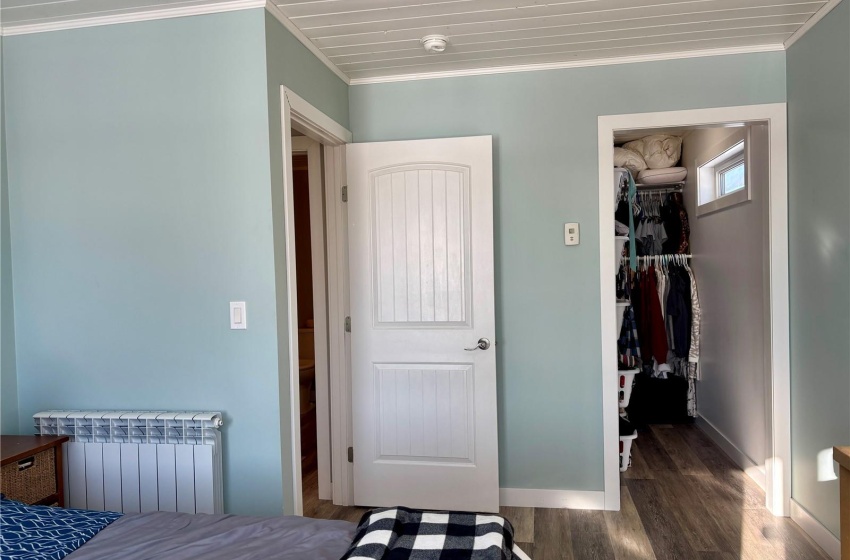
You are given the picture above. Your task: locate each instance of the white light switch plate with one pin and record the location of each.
(238, 318)
(571, 234)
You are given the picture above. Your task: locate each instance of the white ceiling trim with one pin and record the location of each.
(570, 64)
(287, 23)
(163, 13)
(816, 17)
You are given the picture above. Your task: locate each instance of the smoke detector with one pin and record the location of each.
(434, 44)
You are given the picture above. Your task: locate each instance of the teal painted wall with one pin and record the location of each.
(8, 372)
(546, 173)
(140, 193)
(819, 203)
(291, 64)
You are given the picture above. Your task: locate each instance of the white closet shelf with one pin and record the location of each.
(659, 186)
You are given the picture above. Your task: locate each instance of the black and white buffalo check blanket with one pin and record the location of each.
(406, 534)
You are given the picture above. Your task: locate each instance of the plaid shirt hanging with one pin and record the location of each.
(628, 346)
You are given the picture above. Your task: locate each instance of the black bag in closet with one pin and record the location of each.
(659, 401)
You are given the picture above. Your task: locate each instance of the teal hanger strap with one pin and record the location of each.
(632, 247)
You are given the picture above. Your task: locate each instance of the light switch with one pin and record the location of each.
(238, 319)
(571, 236)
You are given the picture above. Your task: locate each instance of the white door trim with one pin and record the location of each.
(303, 144)
(336, 217)
(304, 117)
(778, 464)
(311, 121)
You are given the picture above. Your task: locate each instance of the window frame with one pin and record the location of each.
(722, 169)
(723, 156)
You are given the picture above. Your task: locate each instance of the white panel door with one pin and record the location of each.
(421, 263)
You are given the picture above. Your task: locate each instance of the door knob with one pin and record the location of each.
(483, 344)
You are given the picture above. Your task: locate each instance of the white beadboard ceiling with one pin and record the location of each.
(378, 40)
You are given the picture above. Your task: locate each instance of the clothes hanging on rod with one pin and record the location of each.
(676, 224)
(657, 217)
(624, 209)
(629, 347)
(660, 331)
(651, 329)
(696, 314)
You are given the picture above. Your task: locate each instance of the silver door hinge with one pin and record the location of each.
(345, 193)
(350, 454)
(348, 324)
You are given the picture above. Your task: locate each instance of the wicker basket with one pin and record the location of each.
(30, 484)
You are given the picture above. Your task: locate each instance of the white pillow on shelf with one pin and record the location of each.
(658, 150)
(629, 159)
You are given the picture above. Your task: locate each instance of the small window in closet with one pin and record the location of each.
(732, 176)
(722, 177)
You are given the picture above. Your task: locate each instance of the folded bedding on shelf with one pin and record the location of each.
(629, 159)
(658, 150)
(666, 175)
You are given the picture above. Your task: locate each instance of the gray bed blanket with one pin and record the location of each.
(182, 536)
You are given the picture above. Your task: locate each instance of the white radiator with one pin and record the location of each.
(139, 461)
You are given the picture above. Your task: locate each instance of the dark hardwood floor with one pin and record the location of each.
(682, 499)
(324, 509)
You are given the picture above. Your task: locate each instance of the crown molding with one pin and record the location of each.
(175, 12)
(163, 13)
(278, 14)
(569, 64)
(816, 17)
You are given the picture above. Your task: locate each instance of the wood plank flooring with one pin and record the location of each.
(682, 499)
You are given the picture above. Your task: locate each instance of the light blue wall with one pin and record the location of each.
(8, 373)
(140, 193)
(547, 295)
(291, 64)
(819, 202)
(142, 157)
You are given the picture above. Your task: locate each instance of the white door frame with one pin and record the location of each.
(304, 117)
(778, 464)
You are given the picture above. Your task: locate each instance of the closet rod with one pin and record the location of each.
(669, 256)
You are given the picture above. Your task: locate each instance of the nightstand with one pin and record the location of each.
(32, 469)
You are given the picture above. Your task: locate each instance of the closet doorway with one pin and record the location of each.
(726, 211)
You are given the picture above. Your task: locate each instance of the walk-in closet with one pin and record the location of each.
(691, 290)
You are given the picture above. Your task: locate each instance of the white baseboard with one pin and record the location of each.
(820, 534)
(564, 499)
(753, 469)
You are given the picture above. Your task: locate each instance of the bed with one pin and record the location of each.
(41, 532)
